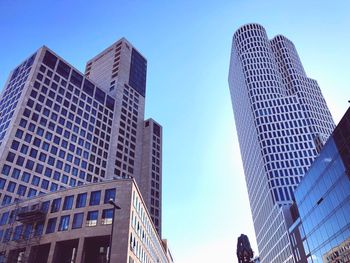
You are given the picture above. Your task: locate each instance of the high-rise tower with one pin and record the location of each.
(60, 128)
(282, 121)
(120, 70)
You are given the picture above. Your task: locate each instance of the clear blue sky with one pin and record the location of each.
(187, 44)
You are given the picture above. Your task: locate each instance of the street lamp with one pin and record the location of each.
(111, 202)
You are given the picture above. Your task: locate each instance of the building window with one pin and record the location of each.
(95, 198)
(81, 200)
(107, 216)
(21, 190)
(18, 232)
(44, 184)
(78, 220)
(7, 235)
(56, 203)
(6, 200)
(27, 231)
(109, 194)
(51, 225)
(35, 180)
(38, 230)
(4, 218)
(11, 187)
(68, 202)
(32, 192)
(64, 223)
(6, 169)
(2, 183)
(91, 219)
(25, 177)
(45, 206)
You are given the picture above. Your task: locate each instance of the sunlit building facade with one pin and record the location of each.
(282, 122)
(75, 224)
(60, 128)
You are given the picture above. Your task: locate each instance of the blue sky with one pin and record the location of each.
(187, 45)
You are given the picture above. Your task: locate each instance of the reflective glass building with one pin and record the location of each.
(323, 200)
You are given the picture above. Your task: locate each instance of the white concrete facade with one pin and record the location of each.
(282, 122)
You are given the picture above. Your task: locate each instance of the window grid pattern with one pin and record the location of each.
(155, 138)
(282, 135)
(63, 134)
(127, 136)
(12, 93)
(144, 244)
(143, 233)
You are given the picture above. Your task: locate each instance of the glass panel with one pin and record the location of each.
(78, 220)
(91, 219)
(107, 216)
(64, 223)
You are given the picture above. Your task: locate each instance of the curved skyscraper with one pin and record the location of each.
(282, 122)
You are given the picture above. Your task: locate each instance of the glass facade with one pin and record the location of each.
(323, 200)
(138, 69)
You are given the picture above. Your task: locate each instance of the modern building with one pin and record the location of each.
(121, 70)
(282, 122)
(295, 235)
(340, 253)
(74, 225)
(244, 251)
(150, 182)
(323, 201)
(168, 252)
(60, 128)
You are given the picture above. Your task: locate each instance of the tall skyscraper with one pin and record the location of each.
(282, 122)
(59, 128)
(120, 70)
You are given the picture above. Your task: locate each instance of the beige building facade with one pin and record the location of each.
(74, 225)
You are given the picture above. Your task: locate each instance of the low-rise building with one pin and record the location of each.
(74, 225)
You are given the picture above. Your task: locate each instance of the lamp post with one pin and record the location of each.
(111, 202)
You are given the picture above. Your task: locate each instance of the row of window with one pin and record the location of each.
(12, 94)
(127, 134)
(70, 163)
(77, 79)
(68, 201)
(27, 231)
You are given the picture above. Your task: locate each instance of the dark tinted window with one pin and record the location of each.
(95, 198)
(55, 206)
(77, 220)
(63, 69)
(76, 78)
(110, 103)
(88, 87)
(50, 59)
(51, 225)
(138, 69)
(109, 194)
(68, 202)
(81, 200)
(156, 129)
(100, 95)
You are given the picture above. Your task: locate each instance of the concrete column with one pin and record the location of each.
(80, 250)
(51, 252)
